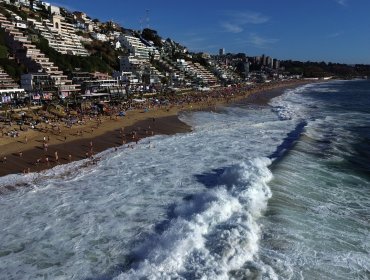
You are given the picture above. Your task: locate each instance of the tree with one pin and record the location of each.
(3, 52)
(152, 35)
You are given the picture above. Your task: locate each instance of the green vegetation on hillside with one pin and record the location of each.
(3, 51)
(24, 14)
(323, 69)
(11, 67)
(106, 52)
(198, 58)
(152, 35)
(4, 12)
(101, 62)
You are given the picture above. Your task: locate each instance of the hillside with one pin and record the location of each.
(72, 40)
(323, 69)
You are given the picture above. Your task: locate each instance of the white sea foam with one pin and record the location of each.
(77, 221)
(289, 106)
(214, 233)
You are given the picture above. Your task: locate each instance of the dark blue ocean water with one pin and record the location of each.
(317, 224)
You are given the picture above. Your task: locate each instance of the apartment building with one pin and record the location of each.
(106, 89)
(197, 72)
(206, 76)
(39, 86)
(37, 82)
(11, 94)
(35, 61)
(132, 64)
(9, 89)
(138, 62)
(60, 34)
(46, 84)
(83, 21)
(6, 82)
(135, 47)
(127, 78)
(99, 36)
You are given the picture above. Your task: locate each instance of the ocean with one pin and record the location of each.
(277, 191)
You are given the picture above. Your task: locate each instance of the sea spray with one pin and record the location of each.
(199, 195)
(211, 234)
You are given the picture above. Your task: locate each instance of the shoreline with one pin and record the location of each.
(25, 155)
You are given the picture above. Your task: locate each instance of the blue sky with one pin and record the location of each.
(315, 30)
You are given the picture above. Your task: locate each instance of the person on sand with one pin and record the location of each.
(70, 158)
(20, 154)
(4, 159)
(56, 157)
(47, 161)
(25, 140)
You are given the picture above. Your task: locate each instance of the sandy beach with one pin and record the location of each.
(34, 150)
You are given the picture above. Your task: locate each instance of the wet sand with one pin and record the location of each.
(136, 125)
(81, 147)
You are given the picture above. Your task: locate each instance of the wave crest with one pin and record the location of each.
(212, 233)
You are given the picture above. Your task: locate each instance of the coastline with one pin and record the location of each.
(22, 155)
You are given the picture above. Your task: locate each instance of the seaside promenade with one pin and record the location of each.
(59, 140)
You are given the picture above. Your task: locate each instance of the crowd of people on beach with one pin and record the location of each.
(80, 122)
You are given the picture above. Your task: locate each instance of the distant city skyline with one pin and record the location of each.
(325, 30)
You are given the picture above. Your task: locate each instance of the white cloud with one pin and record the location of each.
(260, 42)
(232, 28)
(197, 42)
(250, 17)
(334, 35)
(342, 2)
(238, 20)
